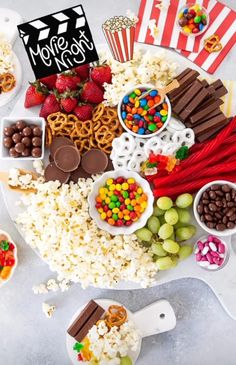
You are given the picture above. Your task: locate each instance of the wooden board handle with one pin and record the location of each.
(156, 318)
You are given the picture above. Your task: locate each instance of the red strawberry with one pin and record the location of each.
(101, 74)
(67, 81)
(83, 71)
(69, 100)
(92, 93)
(51, 105)
(35, 94)
(83, 111)
(49, 81)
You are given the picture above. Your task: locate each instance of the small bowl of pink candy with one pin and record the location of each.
(211, 253)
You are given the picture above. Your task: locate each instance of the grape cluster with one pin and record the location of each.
(166, 229)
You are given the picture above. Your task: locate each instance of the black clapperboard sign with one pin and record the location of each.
(58, 42)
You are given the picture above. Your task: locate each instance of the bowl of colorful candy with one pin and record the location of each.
(211, 253)
(139, 116)
(8, 257)
(121, 202)
(215, 208)
(193, 20)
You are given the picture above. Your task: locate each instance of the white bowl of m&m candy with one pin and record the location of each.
(193, 19)
(121, 202)
(139, 116)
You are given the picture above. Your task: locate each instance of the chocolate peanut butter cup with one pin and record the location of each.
(67, 158)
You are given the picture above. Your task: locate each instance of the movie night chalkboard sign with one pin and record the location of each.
(58, 42)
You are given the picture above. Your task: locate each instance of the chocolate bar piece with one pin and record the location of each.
(209, 125)
(220, 89)
(205, 118)
(184, 81)
(205, 110)
(201, 95)
(86, 319)
(212, 133)
(204, 83)
(221, 92)
(89, 324)
(187, 97)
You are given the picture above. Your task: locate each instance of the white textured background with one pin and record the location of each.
(205, 334)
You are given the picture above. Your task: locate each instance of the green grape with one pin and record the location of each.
(153, 224)
(180, 225)
(172, 237)
(193, 229)
(162, 220)
(171, 216)
(185, 251)
(157, 211)
(184, 215)
(175, 261)
(164, 203)
(185, 233)
(158, 250)
(144, 234)
(164, 263)
(184, 200)
(126, 360)
(165, 231)
(171, 246)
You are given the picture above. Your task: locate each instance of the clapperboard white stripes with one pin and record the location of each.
(58, 41)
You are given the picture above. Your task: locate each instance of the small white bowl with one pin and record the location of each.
(144, 86)
(113, 230)
(193, 34)
(3, 282)
(226, 258)
(7, 122)
(227, 232)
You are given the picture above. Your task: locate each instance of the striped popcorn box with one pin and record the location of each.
(119, 32)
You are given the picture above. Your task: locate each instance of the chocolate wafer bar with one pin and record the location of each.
(187, 97)
(212, 133)
(187, 78)
(220, 89)
(196, 101)
(205, 110)
(214, 113)
(209, 125)
(86, 319)
(89, 324)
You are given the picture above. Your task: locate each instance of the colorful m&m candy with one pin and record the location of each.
(139, 114)
(121, 201)
(193, 19)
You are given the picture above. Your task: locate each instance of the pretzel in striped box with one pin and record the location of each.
(119, 32)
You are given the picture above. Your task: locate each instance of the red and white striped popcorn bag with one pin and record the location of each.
(119, 32)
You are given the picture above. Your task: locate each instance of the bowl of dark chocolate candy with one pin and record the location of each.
(215, 208)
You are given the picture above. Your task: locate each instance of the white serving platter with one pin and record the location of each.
(9, 20)
(222, 282)
(156, 318)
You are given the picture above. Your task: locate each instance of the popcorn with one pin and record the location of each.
(40, 289)
(109, 346)
(16, 178)
(154, 31)
(117, 23)
(132, 16)
(6, 57)
(52, 285)
(38, 166)
(144, 68)
(57, 223)
(48, 310)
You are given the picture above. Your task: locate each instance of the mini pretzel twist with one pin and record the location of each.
(7, 82)
(212, 44)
